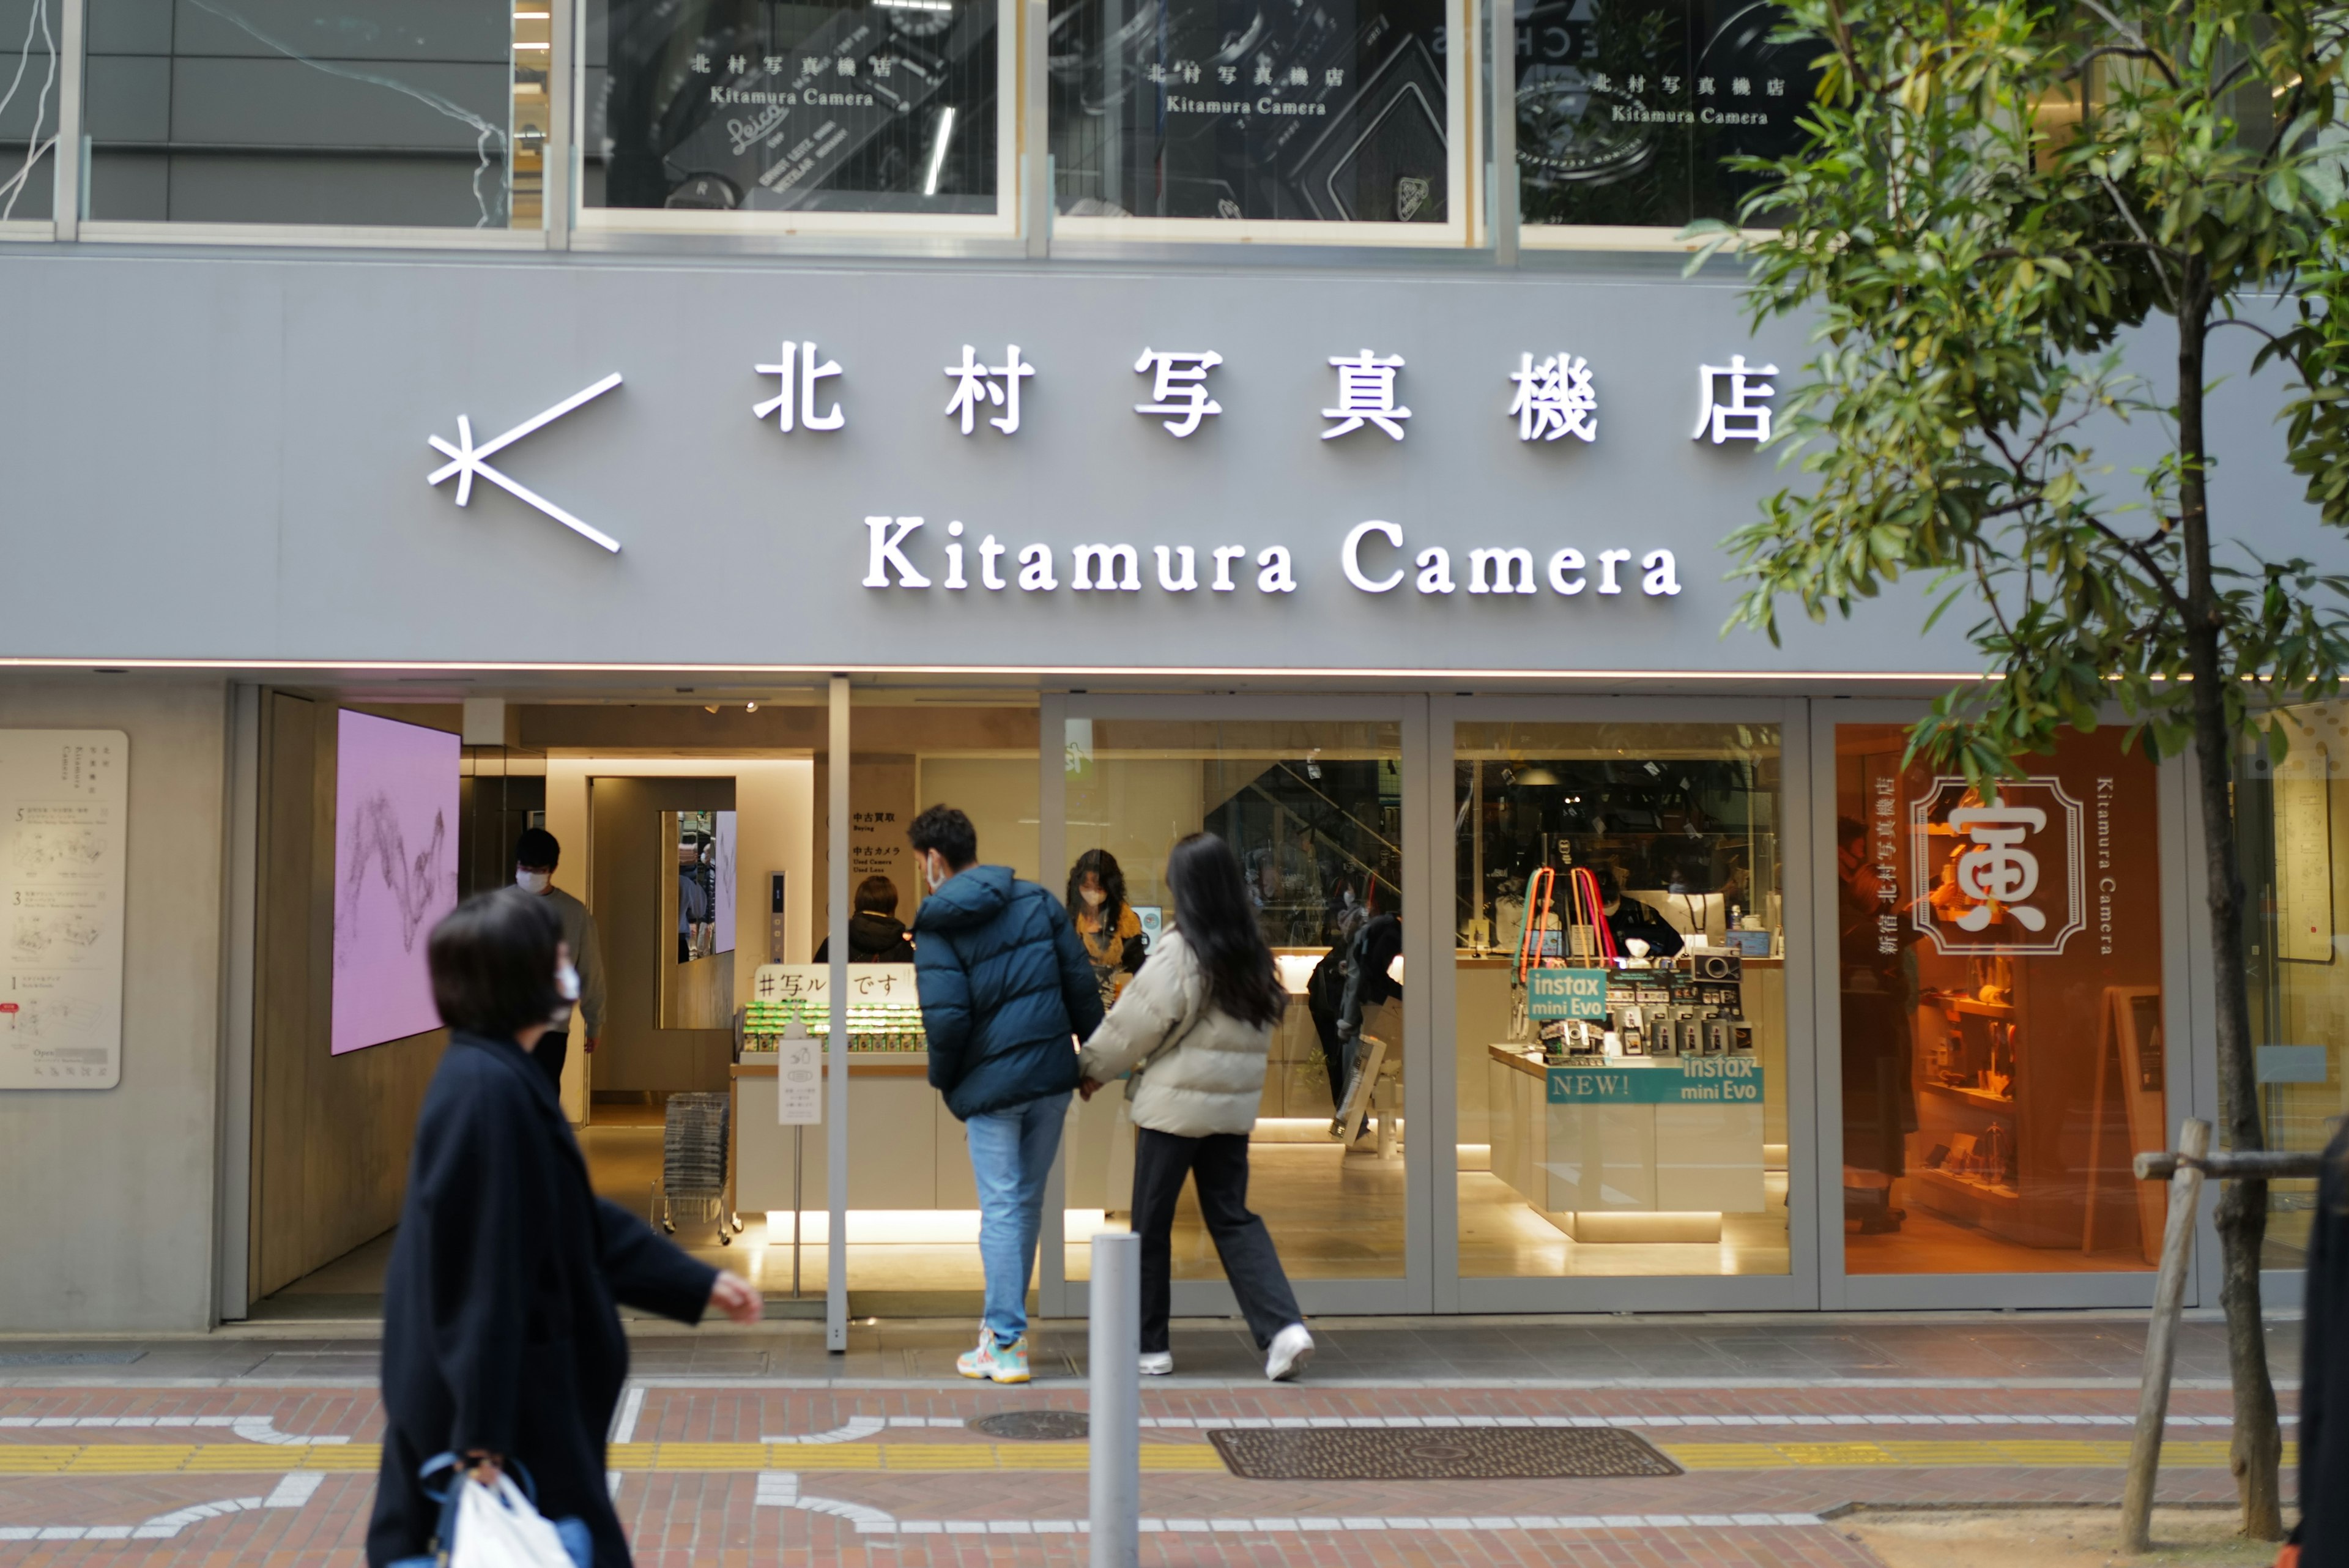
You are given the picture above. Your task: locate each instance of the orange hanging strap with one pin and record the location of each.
(1591, 910)
(1541, 891)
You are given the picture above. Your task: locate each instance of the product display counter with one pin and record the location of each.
(1654, 1150)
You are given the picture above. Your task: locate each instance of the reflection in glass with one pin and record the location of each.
(764, 106)
(29, 113)
(2291, 817)
(1314, 811)
(1576, 1156)
(698, 911)
(1193, 108)
(1628, 110)
(318, 112)
(2004, 1043)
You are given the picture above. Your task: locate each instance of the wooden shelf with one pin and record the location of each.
(1981, 1099)
(1949, 1003)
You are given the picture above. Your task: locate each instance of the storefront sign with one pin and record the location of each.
(798, 1078)
(2004, 880)
(1661, 1081)
(1553, 993)
(465, 460)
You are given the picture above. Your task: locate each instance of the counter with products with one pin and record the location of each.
(1643, 1122)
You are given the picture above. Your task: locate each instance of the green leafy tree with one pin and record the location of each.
(1996, 198)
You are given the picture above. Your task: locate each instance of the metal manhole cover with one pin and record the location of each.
(1033, 1425)
(1479, 1453)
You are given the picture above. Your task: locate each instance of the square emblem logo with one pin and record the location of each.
(2004, 880)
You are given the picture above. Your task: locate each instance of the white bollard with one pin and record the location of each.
(1114, 1423)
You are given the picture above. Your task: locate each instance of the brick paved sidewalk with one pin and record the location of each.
(891, 1474)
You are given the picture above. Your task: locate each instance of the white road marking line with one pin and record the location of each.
(296, 1488)
(252, 1428)
(780, 1488)
(623, 1425)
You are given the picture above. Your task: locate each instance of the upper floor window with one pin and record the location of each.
(416, 113)
(1194, 110)
(799, 111)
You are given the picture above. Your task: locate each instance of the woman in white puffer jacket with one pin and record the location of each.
(1192, 1028)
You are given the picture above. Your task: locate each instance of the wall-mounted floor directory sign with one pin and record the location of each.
(62, 794)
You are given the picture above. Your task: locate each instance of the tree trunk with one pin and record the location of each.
(2242, 1218)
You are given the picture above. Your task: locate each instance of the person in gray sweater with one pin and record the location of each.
(1190, 1033)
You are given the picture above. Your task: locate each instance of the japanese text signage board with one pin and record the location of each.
(798, 1078)
(62, 809)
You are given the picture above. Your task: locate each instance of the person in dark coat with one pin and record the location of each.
(1007, 991)
(2323, 1534)
(501, 1338)
(874, 935)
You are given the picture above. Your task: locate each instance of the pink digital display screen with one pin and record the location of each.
(395, 874)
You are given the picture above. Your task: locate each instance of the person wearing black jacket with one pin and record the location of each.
(874, 933)
(2323, 1534)
(501, 1338)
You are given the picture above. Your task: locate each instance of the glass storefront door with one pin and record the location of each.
(2005, 1041)
(1627, 1063)
(1313, 801)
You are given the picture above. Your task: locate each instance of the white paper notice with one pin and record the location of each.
(798, 1078)
(62, 804)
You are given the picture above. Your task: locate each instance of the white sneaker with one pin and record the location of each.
(1293, 1348)
(1157, 1363)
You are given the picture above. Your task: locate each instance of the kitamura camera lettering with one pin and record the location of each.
(1118, 568)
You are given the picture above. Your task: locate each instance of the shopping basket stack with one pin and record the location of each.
(693, 1162)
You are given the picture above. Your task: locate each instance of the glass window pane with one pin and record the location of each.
(2291, 816)
(1314, 811)
(28, 111)
(1190, 108)
(424, 113)
(767, 106)
(2003, 1038)
(1628, 110)
(1647, 1135)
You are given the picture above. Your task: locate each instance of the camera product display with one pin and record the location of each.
(875, 108)
(1712, 966)
(1172, 108)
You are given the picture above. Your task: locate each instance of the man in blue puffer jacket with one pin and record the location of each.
(1006, 992)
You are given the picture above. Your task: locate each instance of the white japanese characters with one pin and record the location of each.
(1555, 398)
(1366, 395)
(1179, 388)
(979, 386)
(1743, 414)
(783, 407)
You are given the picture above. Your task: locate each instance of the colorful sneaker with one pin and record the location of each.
(1293, 1348)
(996, 1362)
(1157, 1363)
(1010, 1364)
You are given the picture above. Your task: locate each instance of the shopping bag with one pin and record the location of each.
(498, 1527)
(578, 1545)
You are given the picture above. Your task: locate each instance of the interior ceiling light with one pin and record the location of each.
(749, 707)
(1536, 777)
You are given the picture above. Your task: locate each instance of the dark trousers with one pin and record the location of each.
(1219, 1164)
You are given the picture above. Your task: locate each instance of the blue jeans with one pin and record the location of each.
(1012, 1155)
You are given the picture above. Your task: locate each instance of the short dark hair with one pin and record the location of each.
(948, 831)
(877, 895)
(536, 846)
(492, 962)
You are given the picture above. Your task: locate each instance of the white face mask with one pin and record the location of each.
(533, 881)
(1094, 897)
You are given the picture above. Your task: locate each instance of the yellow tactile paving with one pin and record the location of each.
(170, 1458)
(2022, 1454)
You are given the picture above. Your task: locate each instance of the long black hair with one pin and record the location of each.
(1212, 911)
(1098, 863)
